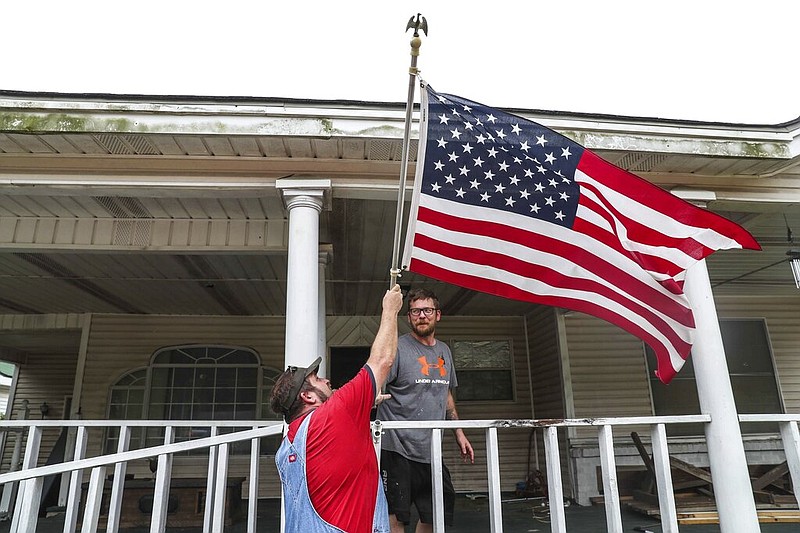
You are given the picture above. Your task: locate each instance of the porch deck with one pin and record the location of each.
(472, 516)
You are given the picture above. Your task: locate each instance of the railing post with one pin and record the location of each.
(252, 492)
(211, 485)
(493, 471)
(10, 489)
(610, 487)
(791, 448)
(158, 521)
(666, 496)
(118, 485)
(218, 520)
(94, 497)
(76, 477)
(555, 491)
(436, 475)
(26, 511)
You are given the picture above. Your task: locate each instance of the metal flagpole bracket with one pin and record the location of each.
(416, 23)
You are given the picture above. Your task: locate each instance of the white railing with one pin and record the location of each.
(31, 477)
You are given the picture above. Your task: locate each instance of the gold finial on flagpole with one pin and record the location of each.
(417, 24)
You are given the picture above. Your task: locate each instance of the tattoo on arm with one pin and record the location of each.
(451, 414)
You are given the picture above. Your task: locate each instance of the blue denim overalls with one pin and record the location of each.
(301, 517)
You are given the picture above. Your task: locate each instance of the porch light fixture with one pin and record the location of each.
(794, 262)
(794, 254)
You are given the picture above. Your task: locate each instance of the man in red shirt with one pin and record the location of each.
(327, 461)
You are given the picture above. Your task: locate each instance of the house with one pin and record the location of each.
(144, 259)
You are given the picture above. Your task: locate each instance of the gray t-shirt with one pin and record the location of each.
(419, 381)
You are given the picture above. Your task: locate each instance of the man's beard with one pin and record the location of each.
(424, 330)
(321, 394)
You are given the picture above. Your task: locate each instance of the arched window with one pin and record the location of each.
(192, 382)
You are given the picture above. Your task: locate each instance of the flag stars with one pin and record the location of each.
(499, 161)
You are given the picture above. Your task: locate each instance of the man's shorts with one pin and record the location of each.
(408, 482)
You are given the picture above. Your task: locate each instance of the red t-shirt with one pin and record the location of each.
(341, 466)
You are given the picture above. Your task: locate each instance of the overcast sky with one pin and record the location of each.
(724, 61)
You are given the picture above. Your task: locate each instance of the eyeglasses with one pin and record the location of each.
(428, 311)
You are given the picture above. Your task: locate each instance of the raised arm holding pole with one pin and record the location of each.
(417, 24)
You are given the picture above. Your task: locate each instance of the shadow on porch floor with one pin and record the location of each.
(472, 516)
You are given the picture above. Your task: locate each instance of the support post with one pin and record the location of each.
(322, 327)
(732, 489)
(304, 200)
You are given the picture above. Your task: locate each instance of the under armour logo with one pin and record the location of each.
(293, 458)
(426, 366)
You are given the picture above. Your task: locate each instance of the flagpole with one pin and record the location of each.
(419, 24)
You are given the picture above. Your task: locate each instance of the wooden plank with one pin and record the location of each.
(771, 476)
(648, 461)
(690, 469)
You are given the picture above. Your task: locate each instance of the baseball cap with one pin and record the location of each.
(299, 375)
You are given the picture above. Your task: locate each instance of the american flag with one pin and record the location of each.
(506, 206)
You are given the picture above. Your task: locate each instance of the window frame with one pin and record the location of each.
(694, 430)
(265, 379)
(452, 343)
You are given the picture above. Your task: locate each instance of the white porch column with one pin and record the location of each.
(304, 199)
(732, 489)
(322, 329)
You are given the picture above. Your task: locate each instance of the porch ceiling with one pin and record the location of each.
(63, 186)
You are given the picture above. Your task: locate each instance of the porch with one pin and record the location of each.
(91, 508)
(471, 516)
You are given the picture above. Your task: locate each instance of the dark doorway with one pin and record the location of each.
(346, 361)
